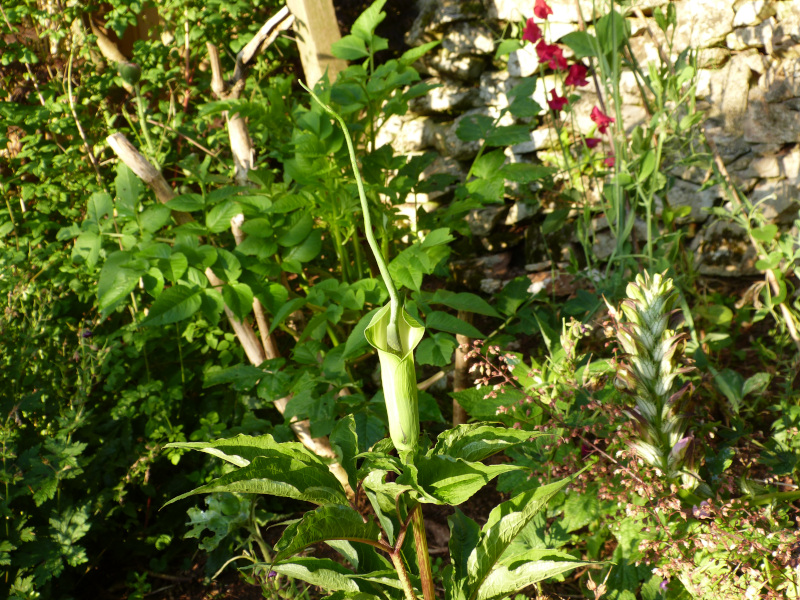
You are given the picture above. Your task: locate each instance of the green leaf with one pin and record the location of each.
(474, 127)
(506, 47)
(648, 166)
(525, 570)
(242, 377)
(239, 298)
(118, 278)
(174, 304)
(414, 54)
(436, 350)
(612, 31)
(505, 522)
(350, 47)
(344, 441)
(464, 301)
(464, 537)
(477, 441)
(525, 172)
(756, 384)
(580, 510)
(87, 248)
(285, 310)
(446, 322)
(333, 522)
(581, 43)
(364, 26)
(219, 218)
(308, 250)
(154, 218)
(766, 233)
(98, 208)
(478, 407)
(186, 203)
(508, 135)
(279, 471)
(356, 342)
(443, 479)
(730, 384)
(297, 232)
(554, 220)
(322, 572)
(128, 187)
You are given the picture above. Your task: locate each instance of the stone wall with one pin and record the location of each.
(748, 85)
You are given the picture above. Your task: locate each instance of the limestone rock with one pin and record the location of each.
(753, 12)
(468, 38)
(407, 134)
(702, 23)
(434, 15)
(722, 249)
(726, 89)
(463, 67)
(777, 199)
(519, 211)
(712, 58)
(767, 122)
(786, 35)
(523, 62)
(448, 97)
(782, 82)
(495, 86)
(759, 36)
(563, 12)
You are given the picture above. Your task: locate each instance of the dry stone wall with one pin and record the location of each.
(748, 85)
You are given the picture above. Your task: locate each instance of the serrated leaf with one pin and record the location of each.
(322, 572)
(530, 568)
(525, 172)
(278, 471)
(508, 135)
(173, 304)
(580, 510)
(333, 522)
(478, 407)
(364, 26)
(474, 127)
(477, 441)
(414, 54)
(446, 322)
(436, 350)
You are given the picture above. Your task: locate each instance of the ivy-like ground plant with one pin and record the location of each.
(387, 550)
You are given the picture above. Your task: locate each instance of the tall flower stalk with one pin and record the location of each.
(650, 370)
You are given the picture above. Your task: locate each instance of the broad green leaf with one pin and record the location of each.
(489, 164)
(226, 266)
(285, 310)
(612, 31)
(525, 570)
(344, 441)
(506, 47)
(580, 510)
(554, 220)
(757, 383)
(356, 342)
(464, 536)
(505, 522)
(297, 232)
(308, 250)
(364, 26)
(118, 278)
(508, 135)
(414, 54)
(446, 322)
(350, 47)
(581, 43)
(525, 172)
(173, 304)
(648, 165)
(766, 233)
(242, 449)
(481, 408)
(474, 127)
(730, 383)
(382, 496)
(241, 376)
(87, 248)
(128, 187)
(186, 202)
(239, 298)
(332, 522)
(447, 480)
(174, 267)
(436, 350)
(154, 218)
(278, 472)
(322, 572)
(476, 441)
(98, 208)
(219, 218)
(464, 301)
(437, 237)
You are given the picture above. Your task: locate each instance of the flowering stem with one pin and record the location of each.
(393, 333)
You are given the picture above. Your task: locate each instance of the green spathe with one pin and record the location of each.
(397, 375)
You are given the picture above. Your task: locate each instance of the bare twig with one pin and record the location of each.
(81, 132)
(461, 378)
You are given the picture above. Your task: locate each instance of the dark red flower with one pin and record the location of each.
(609, 161)
(577, 75)
(558, 102)
(591, 142)
(541, 9)
(602, 120)
(551, 54)
(532, 32)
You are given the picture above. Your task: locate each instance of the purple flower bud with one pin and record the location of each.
(664, 584)
(87, 333)
(272, 574)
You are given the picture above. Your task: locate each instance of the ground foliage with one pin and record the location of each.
(114, 344)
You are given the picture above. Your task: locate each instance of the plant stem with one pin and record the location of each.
(423, 556)
(405, 581)
(393, 333)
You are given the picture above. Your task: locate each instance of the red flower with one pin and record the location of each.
(541, 9)
(591, 142)
(602, 120)
(577, 75)
(532, 32)
(558, 102)
(552, 54)
(609, 161)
